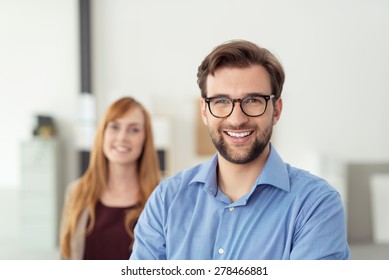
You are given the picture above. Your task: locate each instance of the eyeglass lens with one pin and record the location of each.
(251, 106)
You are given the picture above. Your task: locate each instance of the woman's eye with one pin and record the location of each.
(135, 130)
(113, 126)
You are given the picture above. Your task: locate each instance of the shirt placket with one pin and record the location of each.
(223, 248)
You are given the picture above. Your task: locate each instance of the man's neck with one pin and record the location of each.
(236, 180)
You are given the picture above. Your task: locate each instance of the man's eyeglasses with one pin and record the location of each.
(252, 106)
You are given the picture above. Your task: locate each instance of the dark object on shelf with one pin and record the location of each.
(44, 127)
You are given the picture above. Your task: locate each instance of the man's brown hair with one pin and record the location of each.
(242, 54)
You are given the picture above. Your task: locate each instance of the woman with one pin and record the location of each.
(102, 207)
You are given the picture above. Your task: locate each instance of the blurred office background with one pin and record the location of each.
(334, 122)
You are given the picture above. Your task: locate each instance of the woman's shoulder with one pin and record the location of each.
(72, 186)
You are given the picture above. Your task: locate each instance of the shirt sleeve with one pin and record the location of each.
(150, 243)
(321, 230)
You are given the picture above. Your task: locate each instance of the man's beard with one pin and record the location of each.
(241, 157)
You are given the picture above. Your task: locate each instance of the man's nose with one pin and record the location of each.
(237, 116)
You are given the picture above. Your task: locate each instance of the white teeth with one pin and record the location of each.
(238, 135)
(121, 149)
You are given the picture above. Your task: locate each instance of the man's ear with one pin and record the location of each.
(203, 110)
(277, 110)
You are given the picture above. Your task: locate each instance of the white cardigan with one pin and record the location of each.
(77, 242)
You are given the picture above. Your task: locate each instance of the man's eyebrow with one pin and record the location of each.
(220, 95)
(251, 94)
(256, 94)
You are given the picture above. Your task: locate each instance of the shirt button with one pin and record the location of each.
(232, 208)
(221, 251)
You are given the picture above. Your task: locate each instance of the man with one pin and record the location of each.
(245, 203)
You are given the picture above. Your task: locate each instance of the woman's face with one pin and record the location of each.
(124, 138)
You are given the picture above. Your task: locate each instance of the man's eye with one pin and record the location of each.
(254, 100)
(221, 101)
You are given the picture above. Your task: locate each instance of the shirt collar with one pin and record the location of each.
(206, 174)
(274, 173)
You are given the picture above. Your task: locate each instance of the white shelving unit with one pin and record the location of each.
(161, 131)
(39, 194)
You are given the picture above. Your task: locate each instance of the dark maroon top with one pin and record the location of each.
(109, 239)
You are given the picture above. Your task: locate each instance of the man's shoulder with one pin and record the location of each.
(182, 178)
(303, 180)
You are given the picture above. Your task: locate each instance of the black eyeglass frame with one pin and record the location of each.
(234, 100)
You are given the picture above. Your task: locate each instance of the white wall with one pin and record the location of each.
(38, 75)
(334, 53)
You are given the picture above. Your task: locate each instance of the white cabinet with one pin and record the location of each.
(39, 194)
(379, 187)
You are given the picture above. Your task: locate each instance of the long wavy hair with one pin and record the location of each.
(95, 180)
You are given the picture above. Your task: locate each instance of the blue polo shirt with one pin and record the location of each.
(288, 214)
